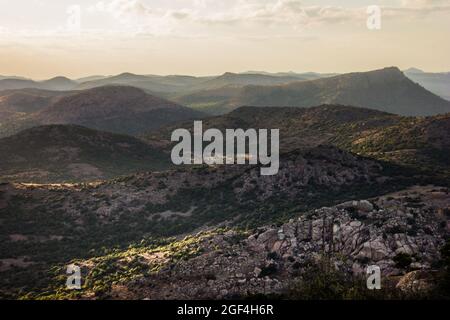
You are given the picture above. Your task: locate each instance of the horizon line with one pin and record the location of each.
(257, 72)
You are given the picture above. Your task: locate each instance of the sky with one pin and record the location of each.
(75, 38)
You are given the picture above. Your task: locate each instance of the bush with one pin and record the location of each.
(402, 260)
(268, 270)
(273, 256)
(445, 261)
(322, 281)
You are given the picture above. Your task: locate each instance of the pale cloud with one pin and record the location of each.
(279, 13)
(211, 36)
(291, 14)
(424, 3)
(417, 9)
(243, 18)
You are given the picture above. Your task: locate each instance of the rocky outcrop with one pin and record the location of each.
(416, 282)
(354, 235)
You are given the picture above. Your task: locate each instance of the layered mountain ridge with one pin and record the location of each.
(118, 109)
(386, 90)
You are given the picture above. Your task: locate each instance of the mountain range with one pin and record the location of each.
(135, 233)
(118, 109)
(57, 83)
(407, 141)
(43, 154)
(438, 83)
(112, 106)
(176, 85)
(386, 90)
(86, 179)
(157, 84)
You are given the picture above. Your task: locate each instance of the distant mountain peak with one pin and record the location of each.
(59, 78)
(111, 89)
(114, 108)
(387, 89)
(228, 74)
(110, 97)
(59, 83)
(126, 74)
(414, 70)
(387, 71)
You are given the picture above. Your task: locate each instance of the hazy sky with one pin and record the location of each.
(45, 38)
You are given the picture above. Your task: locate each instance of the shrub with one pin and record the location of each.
(322, 281)
(402, 260)
(268, 270)
(273, 256)
(444, 284)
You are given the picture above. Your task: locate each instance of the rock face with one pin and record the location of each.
(416, 281)
(354, 235)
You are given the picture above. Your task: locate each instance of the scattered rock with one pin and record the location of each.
(416, 281)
